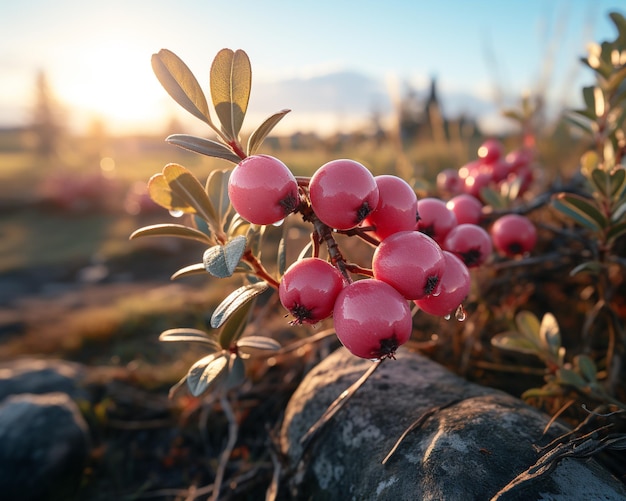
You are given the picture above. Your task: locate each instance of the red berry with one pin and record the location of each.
(309, 288)
(449, 181)
(470, 242)
(372, 319)
(411, 262)
(397, 207)
(262, 189)
(513, 234)
(343, 193)
(435, 219)
(466, 208)
(455, 286)
(491, 150)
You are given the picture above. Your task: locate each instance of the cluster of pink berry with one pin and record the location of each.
(422, 253)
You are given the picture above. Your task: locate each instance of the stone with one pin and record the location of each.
(39, 376)
(471, 443)
(44, 446)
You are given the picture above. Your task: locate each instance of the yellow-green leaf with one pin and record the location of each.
(231, 80)
(162, 194)
(180, 83)
(172, 230)
(580, 209)
(193, 269)
(184, 184)
(260, 133)
(217, 190)
(203, 146)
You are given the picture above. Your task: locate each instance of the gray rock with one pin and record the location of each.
(37, 376)
(473, 442)
(44, 444)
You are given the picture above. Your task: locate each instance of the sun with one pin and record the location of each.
(112, 81)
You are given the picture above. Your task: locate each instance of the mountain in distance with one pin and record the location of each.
(343, 100)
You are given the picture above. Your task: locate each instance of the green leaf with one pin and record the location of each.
(593, 267)
(204, 147)
(580, 209)
(161, 193)
(180, 83)
(260, 133)
(570, 378)
(231, 80)
(217, 190)
(600, 180)
(236, 300)
(185, 185)
(615, 80)
(541, 393)
(191, 336)
(514, 341)
(529, 326)
(281, 257)
(493, 198)
(194, 269)
(221, 260)
(236, 372)
(235, 323)
(586, 367)
(250, 344)
(550, 334)
(205, 372)
(171, 230)
(590, 100)
(618, 183)
(616, 231)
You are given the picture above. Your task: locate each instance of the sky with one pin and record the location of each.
(96, 54)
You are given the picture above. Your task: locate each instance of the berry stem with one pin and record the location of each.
(236, 147)
(259, 269)
(361, 233)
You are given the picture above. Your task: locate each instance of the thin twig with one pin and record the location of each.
(233, 429)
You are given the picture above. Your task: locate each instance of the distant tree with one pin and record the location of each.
(47, 123)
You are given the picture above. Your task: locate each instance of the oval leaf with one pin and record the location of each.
(185, 185)
(550, 334)
(180, 83)
(260, 133)
(571, 378)
(231, 79)
(204, 373)
(234, 326)
(236, 372)
(580, 209)
(189, 335)
(203, 146)
(217, 190)
(171, 230)
(593, 267)
(618, 183)
(529, 326)
(514, 341)
(221, 260)
(161, 193)
(250, 344)
(586, 367)
(194, 269)
(236, 300)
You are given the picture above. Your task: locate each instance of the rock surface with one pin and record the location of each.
(471, 444)
(44, 444)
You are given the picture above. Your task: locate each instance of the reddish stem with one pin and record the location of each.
(259, 269)
(236, 147)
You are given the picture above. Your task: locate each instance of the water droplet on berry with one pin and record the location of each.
(448, 316)
(460, 313)
(176, 213)
(278, 223)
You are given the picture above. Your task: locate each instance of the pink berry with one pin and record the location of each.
(411, 262)
(397, 207)
(513, 234)
(455, 286)
(343, 193)
(466, 208)
(491, 150)
(449, 182)
(435, 219)
(372, 319)
(309, 288)
(469, 242)
(262, 189)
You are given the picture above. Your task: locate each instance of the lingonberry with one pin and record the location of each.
(309, 288)
(411, 262)
(490, 151)
(513, 234)
(343, 193)
(466, 208)
(455, 286)
(470, 242)
(449, 182)
(435, 219)
(372, 319)
(262, 189)
(397, 207)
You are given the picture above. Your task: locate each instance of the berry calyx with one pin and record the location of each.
(372, 319)
(343, 193)
(308, 290)
(262, 189)
(411, 262)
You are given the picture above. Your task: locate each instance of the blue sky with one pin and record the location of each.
(96, 54)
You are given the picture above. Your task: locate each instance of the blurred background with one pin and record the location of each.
(404, 87)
